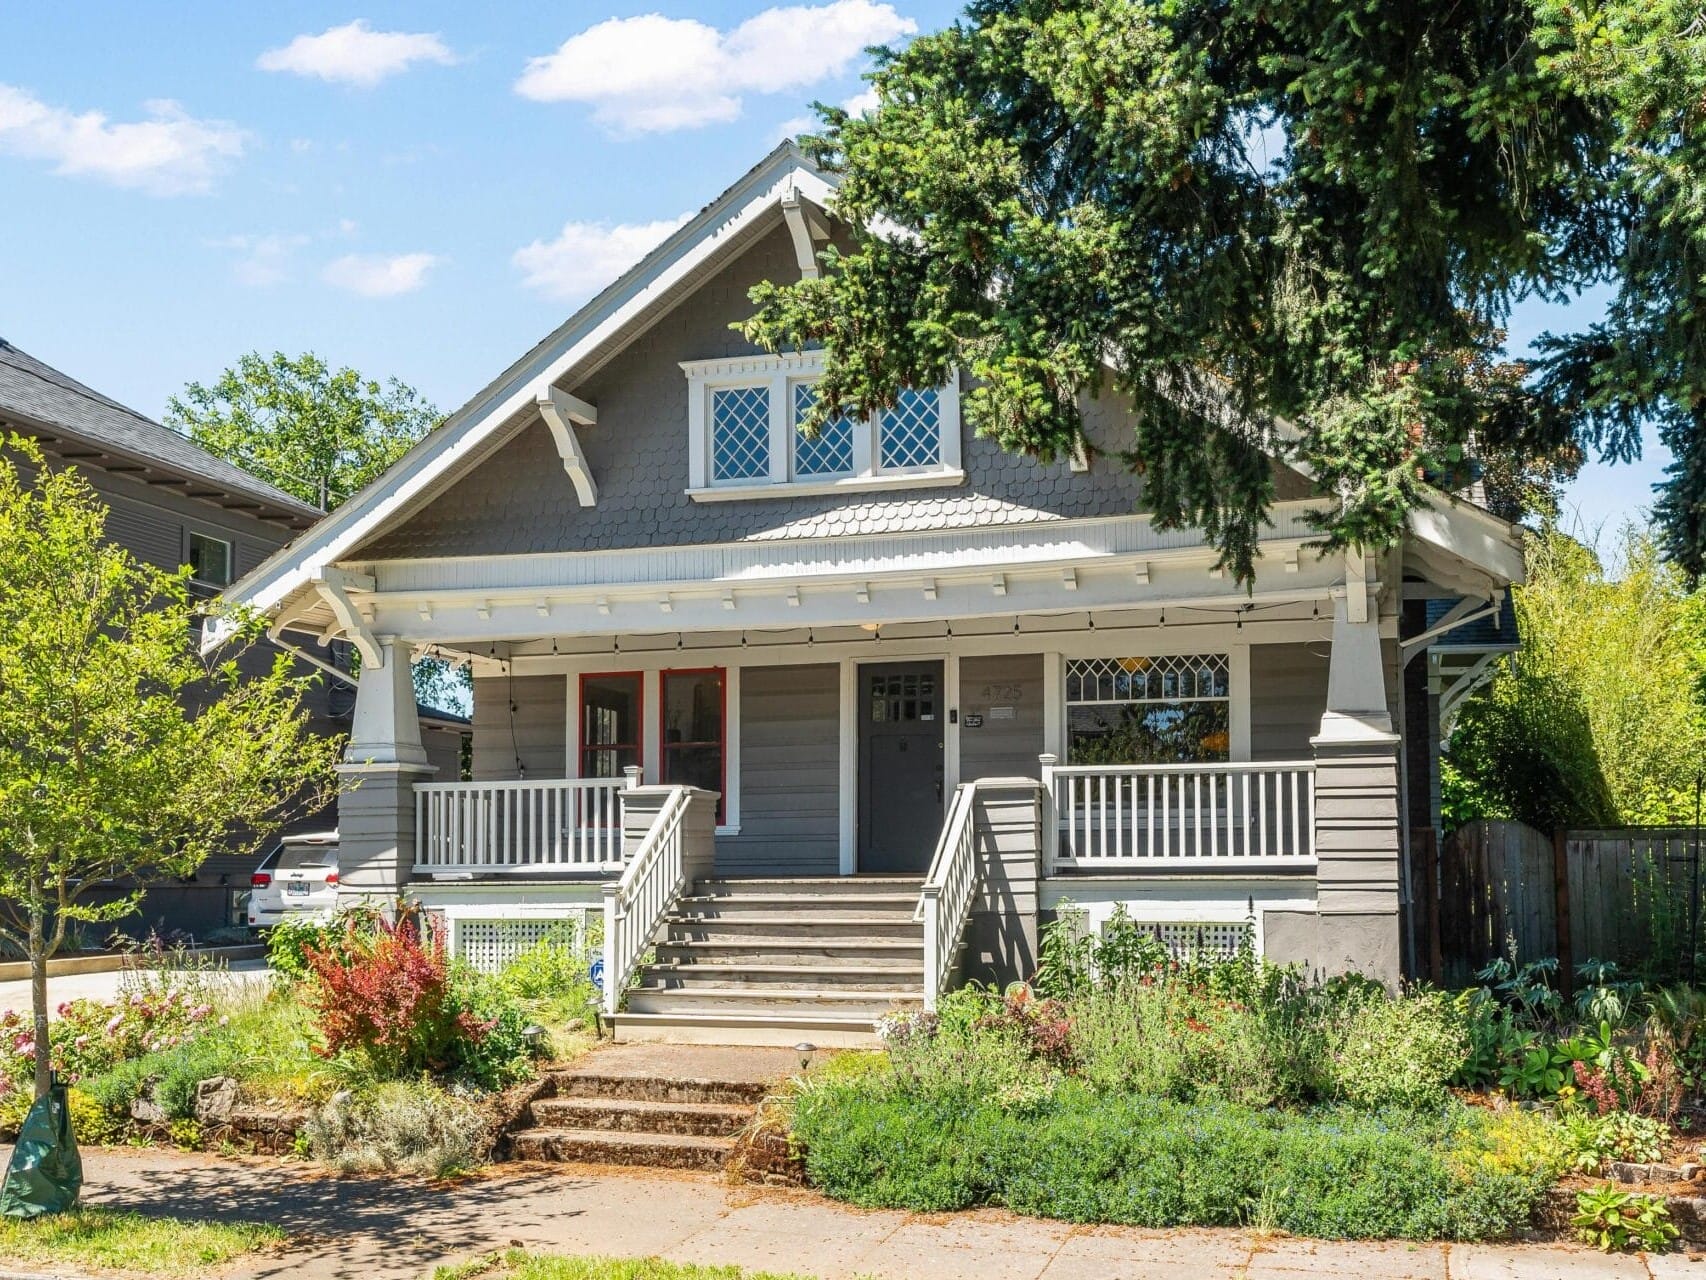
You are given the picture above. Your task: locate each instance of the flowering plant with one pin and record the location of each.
(93, 1036)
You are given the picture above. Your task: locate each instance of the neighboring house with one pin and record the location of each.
(772, 682)
(171, 503)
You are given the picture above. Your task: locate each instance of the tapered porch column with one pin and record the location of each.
(1356, 805)
(382, 763)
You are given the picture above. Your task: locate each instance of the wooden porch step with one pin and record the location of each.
(773, 999)
(791, 887)
(603, 1146)
(623, 1115)
(773, 924)
(824, 1031)
(873, 975)
(752, 949)
(832, 903)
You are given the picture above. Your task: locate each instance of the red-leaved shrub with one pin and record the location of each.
(386, 993)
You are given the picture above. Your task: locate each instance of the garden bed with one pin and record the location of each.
(1138, 1087)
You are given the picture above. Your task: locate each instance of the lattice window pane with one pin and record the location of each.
(1182, 938)
(911, 432)
(740, 433)
(1174, 678)
(831, 453)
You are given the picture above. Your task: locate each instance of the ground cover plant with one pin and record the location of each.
(131, 1242)
(1130, 1084)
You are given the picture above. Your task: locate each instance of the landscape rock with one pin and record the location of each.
(215, 1100)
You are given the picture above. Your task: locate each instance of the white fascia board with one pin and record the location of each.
(460, 437)
(1463, 530)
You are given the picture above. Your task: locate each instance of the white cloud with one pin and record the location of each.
(586, 256)
(653, 74)
(859, 104)
(262, 260)
(375, 275)
(170, 153)
(356, 54)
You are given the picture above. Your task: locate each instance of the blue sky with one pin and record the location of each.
(418, 190)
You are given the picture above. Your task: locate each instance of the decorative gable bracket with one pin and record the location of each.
(562, 413)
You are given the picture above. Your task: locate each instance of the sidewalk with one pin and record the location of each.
(378, 1229)
(104, 986)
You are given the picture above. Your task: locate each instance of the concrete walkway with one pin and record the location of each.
(378, 1229)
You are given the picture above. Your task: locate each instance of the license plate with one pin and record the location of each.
(296, 888)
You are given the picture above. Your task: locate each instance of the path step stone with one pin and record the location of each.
(602, 1146)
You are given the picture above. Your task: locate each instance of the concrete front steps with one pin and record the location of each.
(655, 1107)
(780, 961)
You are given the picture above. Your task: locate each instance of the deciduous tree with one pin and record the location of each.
(124, 756)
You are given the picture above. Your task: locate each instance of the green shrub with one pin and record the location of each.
(1090, 1156)
(292, 938)
(498, 1056)
(407, 1127)
(551, 978)
(1400, 1052)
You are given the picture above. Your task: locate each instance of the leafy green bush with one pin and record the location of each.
(1615, 1220)
(551, 977)
(1591, 1141)
(292, 938)
(1090, 1156)
(399, 1126)
(1398, 1052)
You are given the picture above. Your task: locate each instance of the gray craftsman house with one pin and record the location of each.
(822, 726)
(171, 503)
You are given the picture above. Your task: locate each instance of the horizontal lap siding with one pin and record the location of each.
(1288, 693)
(1001, 748)
(789, 774)
(535, 736)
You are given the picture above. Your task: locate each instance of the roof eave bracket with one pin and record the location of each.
(562, 412)
(334, 586)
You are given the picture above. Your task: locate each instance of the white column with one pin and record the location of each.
(386, 728)
(382, 763)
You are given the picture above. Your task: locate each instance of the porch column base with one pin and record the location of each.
(1357, 852)
(376, 831)
(1001, 935)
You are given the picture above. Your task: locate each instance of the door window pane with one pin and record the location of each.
(610, 725)
(693, 743)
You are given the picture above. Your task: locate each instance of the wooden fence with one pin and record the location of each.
(1576, 895)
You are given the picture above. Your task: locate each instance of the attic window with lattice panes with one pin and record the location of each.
(745, 439)
(1174, 709)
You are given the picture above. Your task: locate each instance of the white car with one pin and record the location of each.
(300, 876)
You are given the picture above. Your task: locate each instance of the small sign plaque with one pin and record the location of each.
(972, 721)
(1001, 713)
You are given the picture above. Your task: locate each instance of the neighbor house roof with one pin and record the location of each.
(81, 424)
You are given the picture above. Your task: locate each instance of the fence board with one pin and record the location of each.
(1626, 895)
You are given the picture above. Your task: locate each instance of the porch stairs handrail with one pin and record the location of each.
(634, 906)
(944, 905)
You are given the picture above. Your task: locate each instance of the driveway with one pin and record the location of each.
(392, 1229)
(104, 986)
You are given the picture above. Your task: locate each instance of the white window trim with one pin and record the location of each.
(780, 373)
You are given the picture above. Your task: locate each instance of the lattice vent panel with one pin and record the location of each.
(488, 945)
(1183, 937)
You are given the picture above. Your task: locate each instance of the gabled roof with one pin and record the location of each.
(40, 399)
(635, 301)
(614, 318)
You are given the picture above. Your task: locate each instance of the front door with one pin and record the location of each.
(900, 765)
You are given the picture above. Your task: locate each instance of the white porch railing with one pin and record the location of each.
(555, 824)
(950, 885)
(635, 905)
(1180, 817)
